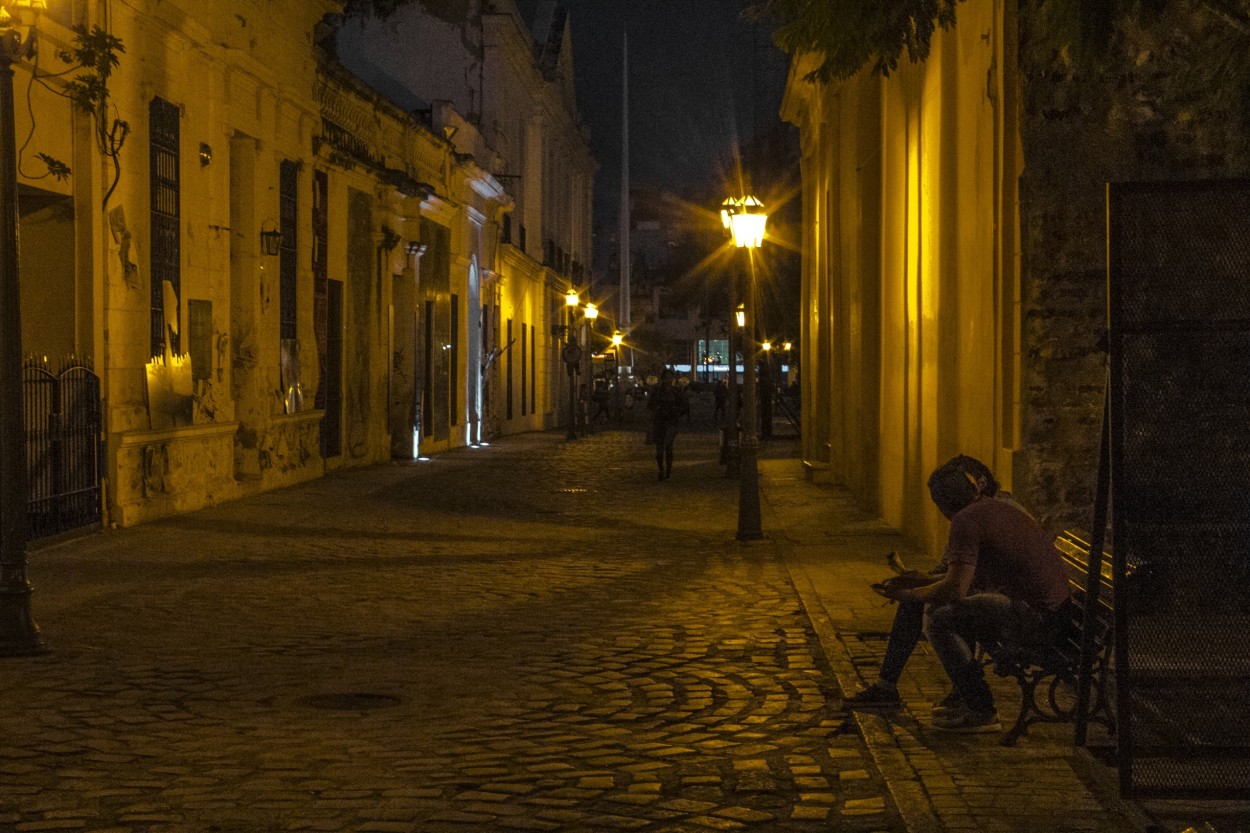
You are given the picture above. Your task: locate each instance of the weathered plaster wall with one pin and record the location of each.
(242, 86)
(1168, 99)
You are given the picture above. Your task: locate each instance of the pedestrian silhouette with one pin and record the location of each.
(667, 404)
(720, 395)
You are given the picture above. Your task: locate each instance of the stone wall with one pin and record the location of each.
(1166, 98)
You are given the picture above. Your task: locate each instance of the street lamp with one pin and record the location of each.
(19, 635)
(617, 393)
(746, 221)
(591, 313)
(766, 391)
(572, 355)
(729, 433)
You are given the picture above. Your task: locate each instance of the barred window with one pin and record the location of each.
(288, 185)
(165, 249)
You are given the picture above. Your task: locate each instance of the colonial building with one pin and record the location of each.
(510, 78)
(955, 240)
(274, 270)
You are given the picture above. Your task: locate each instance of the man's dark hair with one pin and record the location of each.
(954, 484)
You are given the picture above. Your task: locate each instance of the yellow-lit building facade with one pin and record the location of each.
(911, 341)
(955, 241)
(274, 271)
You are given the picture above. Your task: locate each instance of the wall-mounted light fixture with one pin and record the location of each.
(270, 238)
(206, 155)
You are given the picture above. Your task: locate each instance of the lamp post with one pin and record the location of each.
(746, 220)
(590, 314)
(730, 446)
(766, 390)
(617, 393)
(19, 635)
(571, 355)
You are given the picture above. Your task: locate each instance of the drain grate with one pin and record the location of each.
(352, 701)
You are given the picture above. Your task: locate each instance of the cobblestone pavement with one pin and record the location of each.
(531, 636)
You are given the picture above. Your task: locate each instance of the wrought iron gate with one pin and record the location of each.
(1179, 268)
(62, 414)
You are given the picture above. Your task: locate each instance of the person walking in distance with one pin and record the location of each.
(667, 404)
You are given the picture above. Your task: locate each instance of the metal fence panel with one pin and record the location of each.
(63, 422)
(1179, 315)
(41, 400)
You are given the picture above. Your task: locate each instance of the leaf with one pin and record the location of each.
(57, 169)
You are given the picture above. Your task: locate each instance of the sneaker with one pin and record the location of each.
(874, 695)
(968, 722)
(949, 705)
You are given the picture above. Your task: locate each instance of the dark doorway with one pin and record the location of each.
(332, 422)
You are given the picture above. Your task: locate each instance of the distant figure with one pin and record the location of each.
(667, 404)
(602, 397)
(720, 394)
(583, 408)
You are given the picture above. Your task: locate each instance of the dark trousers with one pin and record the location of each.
(665, 433)
(905, 634)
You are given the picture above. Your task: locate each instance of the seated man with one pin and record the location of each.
(1003, 575)
(907, 628)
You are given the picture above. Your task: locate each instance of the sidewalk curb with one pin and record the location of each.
(902, 780)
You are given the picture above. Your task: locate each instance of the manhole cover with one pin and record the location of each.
(351, 701)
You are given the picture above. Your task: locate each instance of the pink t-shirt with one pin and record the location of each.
(1010, 552)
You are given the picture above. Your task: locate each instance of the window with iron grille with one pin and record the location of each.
(288, 188)
(165, 251)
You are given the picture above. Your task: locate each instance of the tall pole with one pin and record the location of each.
(571, 359)
(623, 318)
(749, 481)
(19, 636)
(729, 446)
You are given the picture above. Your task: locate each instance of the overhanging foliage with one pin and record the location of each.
(847, 35)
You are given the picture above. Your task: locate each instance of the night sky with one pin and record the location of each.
(702, 77)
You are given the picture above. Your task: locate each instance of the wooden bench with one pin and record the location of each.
(1048, 673)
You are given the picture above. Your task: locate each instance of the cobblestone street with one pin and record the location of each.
(534, 636)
